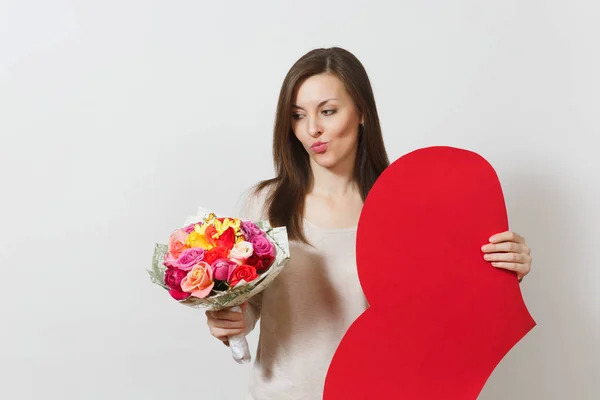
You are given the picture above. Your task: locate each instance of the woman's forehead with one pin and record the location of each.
(319, 88)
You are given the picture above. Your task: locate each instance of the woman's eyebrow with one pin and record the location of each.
(319, 105)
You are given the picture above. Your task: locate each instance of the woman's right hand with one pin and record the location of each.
(224, 323)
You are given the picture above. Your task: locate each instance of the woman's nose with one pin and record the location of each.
(314, 129)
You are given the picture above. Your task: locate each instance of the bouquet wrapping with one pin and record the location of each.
(220, 262)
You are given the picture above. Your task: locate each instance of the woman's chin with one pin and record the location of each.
(323, 161)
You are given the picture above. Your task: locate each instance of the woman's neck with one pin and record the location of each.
(334, 201)
(333, 182)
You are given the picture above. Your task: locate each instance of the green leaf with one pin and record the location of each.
(157, 273)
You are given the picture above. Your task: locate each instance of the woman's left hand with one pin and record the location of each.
(509, 251)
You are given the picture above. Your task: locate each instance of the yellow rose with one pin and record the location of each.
(200, 228)
(205, 236)
(221, 227)
(197, 239)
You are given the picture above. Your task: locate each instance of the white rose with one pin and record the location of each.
(241, 251)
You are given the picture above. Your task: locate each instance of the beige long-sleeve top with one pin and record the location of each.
(304, 313)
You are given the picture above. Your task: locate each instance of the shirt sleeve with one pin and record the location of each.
(252, 314)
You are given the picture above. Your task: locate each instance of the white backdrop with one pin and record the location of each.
(119, 118)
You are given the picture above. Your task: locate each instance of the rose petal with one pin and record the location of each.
(178, 295)
(202, 293)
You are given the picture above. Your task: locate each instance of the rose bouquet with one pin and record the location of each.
(220, 262)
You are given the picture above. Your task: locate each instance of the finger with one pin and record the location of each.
(507, 236)
(211, 320)
(223, 334)
(224, 324)
(226, 315)
(518, 268)
(513, 247)
(518, 258)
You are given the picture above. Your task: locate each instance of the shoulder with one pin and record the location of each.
(253, 202)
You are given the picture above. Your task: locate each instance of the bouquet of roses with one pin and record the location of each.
(217, 263)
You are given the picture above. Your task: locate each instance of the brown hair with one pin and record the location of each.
(285, 203)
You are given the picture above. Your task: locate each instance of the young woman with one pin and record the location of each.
(328, 152)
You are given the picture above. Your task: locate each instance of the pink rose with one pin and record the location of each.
(173, 277)
(223, 268)
(249, 229)
(189, 258)
(199, 281)
(177, 243)
(190, 227)
(262, 246)
(170, 261)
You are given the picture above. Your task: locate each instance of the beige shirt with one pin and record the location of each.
(304, 313)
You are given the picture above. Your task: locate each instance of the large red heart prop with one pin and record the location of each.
(440, 317)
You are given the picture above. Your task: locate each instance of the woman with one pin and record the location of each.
(328, 152)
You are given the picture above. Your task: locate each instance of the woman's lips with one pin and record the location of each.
(319, 147)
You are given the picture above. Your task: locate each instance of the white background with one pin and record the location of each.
(119, 118)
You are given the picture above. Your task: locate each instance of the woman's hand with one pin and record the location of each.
(224, 323)
(509, 251)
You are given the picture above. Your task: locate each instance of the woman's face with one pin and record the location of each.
(325, 120)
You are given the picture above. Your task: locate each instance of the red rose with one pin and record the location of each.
(215, 253)
(227, 239)
(245, 272)
(260, 263)
(267, 260)
(255, 261)
(173, 277)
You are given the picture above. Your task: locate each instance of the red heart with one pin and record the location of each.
(441, 317)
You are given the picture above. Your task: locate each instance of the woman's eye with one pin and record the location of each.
(329, 111)
(296, 116)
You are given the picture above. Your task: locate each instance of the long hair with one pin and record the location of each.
(284, 204)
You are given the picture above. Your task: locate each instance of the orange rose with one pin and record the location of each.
(177, 243)
(209, 233)
(199, 281)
